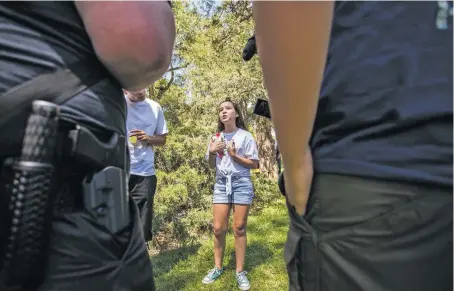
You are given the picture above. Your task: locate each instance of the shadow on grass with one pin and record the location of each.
(281, 222)
(274, 224)
(165, 261)
(256, 254)
(177, 283)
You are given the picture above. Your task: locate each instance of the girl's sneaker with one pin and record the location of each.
(212, 275)
(243, 282)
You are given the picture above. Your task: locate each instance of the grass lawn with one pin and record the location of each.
(184, 268)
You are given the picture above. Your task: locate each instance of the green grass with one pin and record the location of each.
(183, 269)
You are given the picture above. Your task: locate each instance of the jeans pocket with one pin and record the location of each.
(219, 189)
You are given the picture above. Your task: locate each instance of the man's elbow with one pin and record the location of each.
(152, 48)
(155, 60)
(152, 66)
(142, 57)
(133, 39)
(164, 140)
(138, 67)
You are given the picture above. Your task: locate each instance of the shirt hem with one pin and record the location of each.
(379, 171)
(142, 174)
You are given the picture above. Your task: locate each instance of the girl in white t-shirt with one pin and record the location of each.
(233, 152)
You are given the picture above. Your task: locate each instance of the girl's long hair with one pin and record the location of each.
(239, 121)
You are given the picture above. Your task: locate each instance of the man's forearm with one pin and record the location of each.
(156, 140)
(298, 33)
(292, 40)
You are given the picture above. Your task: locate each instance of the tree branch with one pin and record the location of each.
(163, 89)
(177, 68)
(246, 17)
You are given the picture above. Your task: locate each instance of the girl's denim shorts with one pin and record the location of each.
(233, 190)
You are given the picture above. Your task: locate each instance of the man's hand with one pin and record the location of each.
(298, 183)
(155, 140)
(140, 134)
(217, 147)
(231, 148)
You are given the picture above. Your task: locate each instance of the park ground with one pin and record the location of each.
(182, 269)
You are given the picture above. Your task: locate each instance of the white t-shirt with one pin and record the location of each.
(245, 146)
(148, 116)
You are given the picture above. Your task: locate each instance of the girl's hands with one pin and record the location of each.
(231, 148)
(216, 147)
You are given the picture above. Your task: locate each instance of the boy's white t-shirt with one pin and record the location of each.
(245, 146)
(148, 116)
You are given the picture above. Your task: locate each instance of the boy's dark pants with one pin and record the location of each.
(142, 189)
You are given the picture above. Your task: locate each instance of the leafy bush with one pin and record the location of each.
(183, 202)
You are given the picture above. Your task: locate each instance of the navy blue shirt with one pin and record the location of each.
(386, 101)
(40, 37)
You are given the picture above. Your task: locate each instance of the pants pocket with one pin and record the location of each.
(292, 259)
(301, 254)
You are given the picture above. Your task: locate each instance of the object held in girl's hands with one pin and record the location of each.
(220, 137)
(133, 139)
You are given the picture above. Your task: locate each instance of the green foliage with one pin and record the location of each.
(266, 192)
(206, 68)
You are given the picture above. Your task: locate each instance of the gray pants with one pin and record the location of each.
(369, 235)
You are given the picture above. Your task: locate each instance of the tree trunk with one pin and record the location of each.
(266, 147)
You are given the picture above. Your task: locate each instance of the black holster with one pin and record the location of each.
(29, 191)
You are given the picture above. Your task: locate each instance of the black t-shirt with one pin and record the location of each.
(40, 37)
(386, 102)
